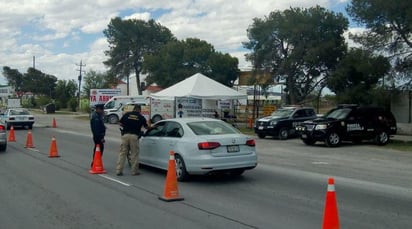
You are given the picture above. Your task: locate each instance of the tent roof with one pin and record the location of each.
(201, 87)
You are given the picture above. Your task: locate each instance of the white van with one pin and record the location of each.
(117, 101)
(113, 107)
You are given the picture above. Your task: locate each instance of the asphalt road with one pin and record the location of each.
(286, 190)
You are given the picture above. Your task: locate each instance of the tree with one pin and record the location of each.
(39, 83)
(389, 29)
(129, 41)
(97, 80)
(14, 78)
(65, 90)
(298, 46)
(356, 76)
(180, 59)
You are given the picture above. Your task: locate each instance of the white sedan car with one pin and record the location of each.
(17, 117)
(201, 145)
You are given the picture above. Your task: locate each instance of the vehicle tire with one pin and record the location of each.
(156, 118)
(261, 135)
(113, 119)
(283, 134)
(382, 138)
(332, 139)
(3, 147)
(181, 172)
(30, 126)
(7, 126)
(309, 141)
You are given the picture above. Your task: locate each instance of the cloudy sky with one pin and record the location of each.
(60, 33)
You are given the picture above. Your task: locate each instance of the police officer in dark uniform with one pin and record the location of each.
(132, 123)
(98, 128)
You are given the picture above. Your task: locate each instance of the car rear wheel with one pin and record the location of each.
(309, 141)
(261, 135)
(382, 138)
(181, 172)
(333, 139)
(283, 134)
(113, 119)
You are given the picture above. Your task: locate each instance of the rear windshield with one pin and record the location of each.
(19, 112)
(212, 128)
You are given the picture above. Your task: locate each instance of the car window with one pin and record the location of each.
(211, 128)
(299, 114)
(339, 113)
(310, 112)
(157, 130)
(174, 129)
(19, 112)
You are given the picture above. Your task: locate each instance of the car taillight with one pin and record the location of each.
(251, 142)
(208, 145)
(2, 128)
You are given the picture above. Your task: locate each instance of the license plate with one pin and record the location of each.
(233, 148)
(304, 136)
(260, 127)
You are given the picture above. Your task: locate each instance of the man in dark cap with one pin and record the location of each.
(98, 128)
(132, 123)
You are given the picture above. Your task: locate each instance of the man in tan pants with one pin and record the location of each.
(132, 123)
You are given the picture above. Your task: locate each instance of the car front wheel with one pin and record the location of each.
(113, 119)
(382, 138)
(181, 172)
(333, 139)
(283, 134)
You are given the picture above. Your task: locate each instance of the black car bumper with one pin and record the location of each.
(269, 131)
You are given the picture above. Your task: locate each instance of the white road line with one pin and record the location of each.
(117, 181)
(34, 150)
(320, 163)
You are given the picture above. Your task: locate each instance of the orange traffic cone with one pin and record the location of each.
(171, 192)
(330, 215)
(54, 125)
(97, 167)
(53, 148)
(12, 137)
(29, 140)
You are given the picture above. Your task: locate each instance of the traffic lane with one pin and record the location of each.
(275, 194)
(58, 193)
(365, 162)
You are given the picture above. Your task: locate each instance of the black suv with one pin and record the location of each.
(283, 121)
(351, 123)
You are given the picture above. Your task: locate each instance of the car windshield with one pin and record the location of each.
(338, 113)
(19, 112)
(212, 128)
(282, 113)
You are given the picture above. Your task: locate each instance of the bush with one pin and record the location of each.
(73, 104)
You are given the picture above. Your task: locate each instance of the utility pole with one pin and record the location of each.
(80, 80)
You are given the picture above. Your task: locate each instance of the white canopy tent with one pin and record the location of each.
(199, 86)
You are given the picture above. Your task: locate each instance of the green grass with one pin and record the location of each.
(400, 145)
(247, 131)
